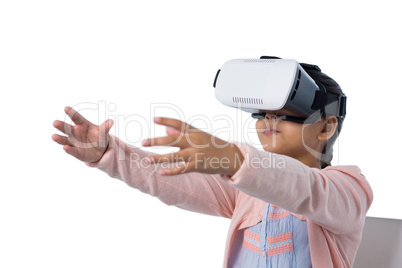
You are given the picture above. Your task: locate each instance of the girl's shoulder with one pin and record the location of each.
(350, 173)
(351, 170)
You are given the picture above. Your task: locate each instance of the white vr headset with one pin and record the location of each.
(272, 84)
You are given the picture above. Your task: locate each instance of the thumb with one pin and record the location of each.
(105, 128)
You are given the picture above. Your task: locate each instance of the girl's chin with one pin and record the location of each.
(271, 149)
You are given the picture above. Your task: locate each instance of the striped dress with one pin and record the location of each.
(279, 240)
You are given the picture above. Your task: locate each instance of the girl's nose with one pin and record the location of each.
(272, 117)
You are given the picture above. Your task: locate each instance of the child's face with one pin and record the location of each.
(289, 138)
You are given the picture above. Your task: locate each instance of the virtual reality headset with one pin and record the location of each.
(273, 84)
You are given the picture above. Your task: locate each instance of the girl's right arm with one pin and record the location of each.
(93, 145)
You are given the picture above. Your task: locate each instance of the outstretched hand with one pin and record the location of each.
(199, 151)
(85, 141)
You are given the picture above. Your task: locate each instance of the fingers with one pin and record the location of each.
(62, 140)
(75, 116)
(179, 134)
(71, 150)
(175, 141)
(63, 127)
(180, 169)
(181, 156)
(172, 131)
(174, 123)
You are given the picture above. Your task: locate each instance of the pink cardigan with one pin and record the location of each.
(334, 201)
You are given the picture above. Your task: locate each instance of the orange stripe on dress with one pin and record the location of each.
(280, 250)
(280, 238)
(251, 235)
(285, 238)
(274, 215)
(251, 247)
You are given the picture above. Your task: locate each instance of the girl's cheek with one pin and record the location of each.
(259, 125)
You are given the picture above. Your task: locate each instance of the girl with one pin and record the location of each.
(287, 207)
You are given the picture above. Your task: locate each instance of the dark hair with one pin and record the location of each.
(332, 87)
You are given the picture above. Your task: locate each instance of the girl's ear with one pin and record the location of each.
(328, 128)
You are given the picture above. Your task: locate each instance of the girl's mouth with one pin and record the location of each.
(270, 132)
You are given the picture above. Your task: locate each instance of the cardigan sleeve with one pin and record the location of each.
(203, 193)
(336, 198)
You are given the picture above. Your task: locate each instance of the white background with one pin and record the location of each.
(125, 57)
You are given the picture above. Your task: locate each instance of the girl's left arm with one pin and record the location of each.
(336, 198)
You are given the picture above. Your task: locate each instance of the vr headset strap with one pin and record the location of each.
(269, 57)
(310, 66)
(323, 99)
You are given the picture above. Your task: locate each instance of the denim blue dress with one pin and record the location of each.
(279, 240)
